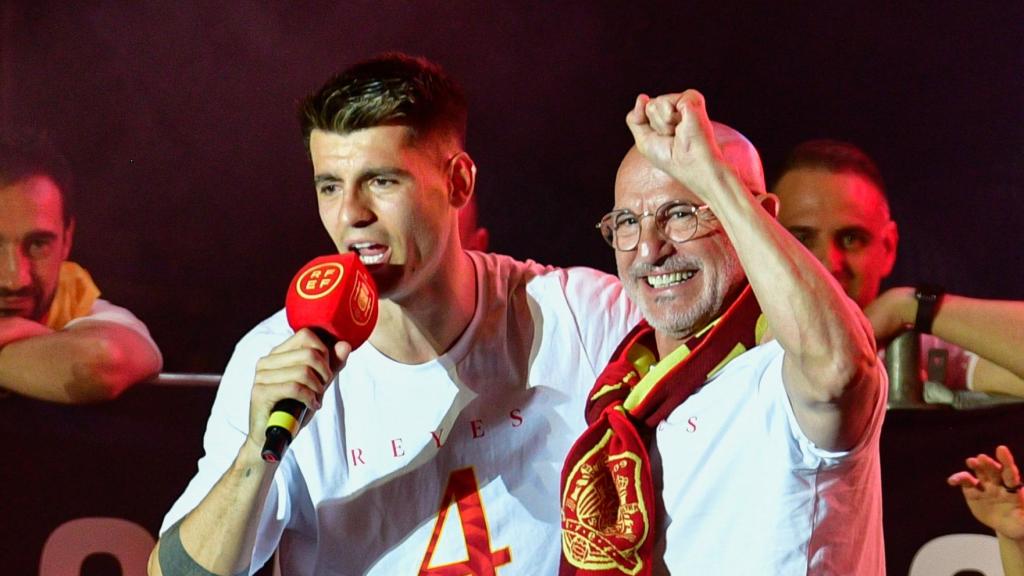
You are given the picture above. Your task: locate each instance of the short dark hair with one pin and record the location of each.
(392, 88)
(24, 154)
(834, 156)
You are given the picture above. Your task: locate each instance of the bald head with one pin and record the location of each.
(635, 170)
(741, 155)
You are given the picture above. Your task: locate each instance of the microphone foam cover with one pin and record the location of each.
(335, 296)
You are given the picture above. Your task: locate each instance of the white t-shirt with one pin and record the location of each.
(747, 493)
(103, 311)
(408, 466)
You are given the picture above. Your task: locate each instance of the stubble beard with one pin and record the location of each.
(680, 320)
(40, 303)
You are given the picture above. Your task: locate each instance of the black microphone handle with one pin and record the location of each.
(283, 424)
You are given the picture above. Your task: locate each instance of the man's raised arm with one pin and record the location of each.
(830, 367)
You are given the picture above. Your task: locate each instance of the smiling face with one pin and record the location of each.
(682, 287)
(33, 242)
(386, 195)
(842, 218)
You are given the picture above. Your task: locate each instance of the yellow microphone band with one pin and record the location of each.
(284, 420)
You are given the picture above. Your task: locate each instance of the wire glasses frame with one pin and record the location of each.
(675, 220)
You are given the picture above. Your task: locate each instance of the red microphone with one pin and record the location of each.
(336, 298)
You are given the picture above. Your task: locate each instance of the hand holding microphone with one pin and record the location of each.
(335, 297)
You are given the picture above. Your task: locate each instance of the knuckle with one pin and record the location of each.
(297, 391)
(312, 377)
(307, 356)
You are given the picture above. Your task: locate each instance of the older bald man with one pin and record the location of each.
(711, 449)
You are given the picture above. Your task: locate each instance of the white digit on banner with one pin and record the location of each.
(74, 541)
(953, 553)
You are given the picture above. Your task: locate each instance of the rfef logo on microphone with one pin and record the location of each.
(319, 281)
(363, 299)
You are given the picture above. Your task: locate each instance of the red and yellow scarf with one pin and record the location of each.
(74, 297)
(608, 499)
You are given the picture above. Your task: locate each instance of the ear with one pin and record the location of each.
(890, 240)
(770, 202)
(69, 236)
(461, 179)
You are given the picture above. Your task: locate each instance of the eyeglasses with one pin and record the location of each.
(675, 220)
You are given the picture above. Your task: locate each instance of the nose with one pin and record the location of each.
(652, 244)
(15, 273)
(356, 209)
(831, 256)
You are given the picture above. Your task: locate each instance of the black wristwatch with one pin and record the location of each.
(928, 297)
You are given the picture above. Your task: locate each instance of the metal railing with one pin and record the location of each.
(185, 379)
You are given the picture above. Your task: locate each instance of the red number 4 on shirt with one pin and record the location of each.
(464, 492)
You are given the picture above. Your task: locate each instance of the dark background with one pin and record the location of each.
(195, 197)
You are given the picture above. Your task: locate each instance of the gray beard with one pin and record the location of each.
(709, 305)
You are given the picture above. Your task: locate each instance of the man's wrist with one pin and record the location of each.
(250, 454)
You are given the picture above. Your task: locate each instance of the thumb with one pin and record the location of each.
(636, 119)
(695, 124)
(340, 357)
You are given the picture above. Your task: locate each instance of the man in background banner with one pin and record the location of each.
(59, 341)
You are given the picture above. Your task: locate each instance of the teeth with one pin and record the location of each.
(369, 252)
(371, 258)
(662, 280)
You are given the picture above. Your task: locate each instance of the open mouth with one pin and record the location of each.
(371, 253)
(670, 279)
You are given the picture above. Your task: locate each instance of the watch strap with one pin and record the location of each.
(928, 297)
